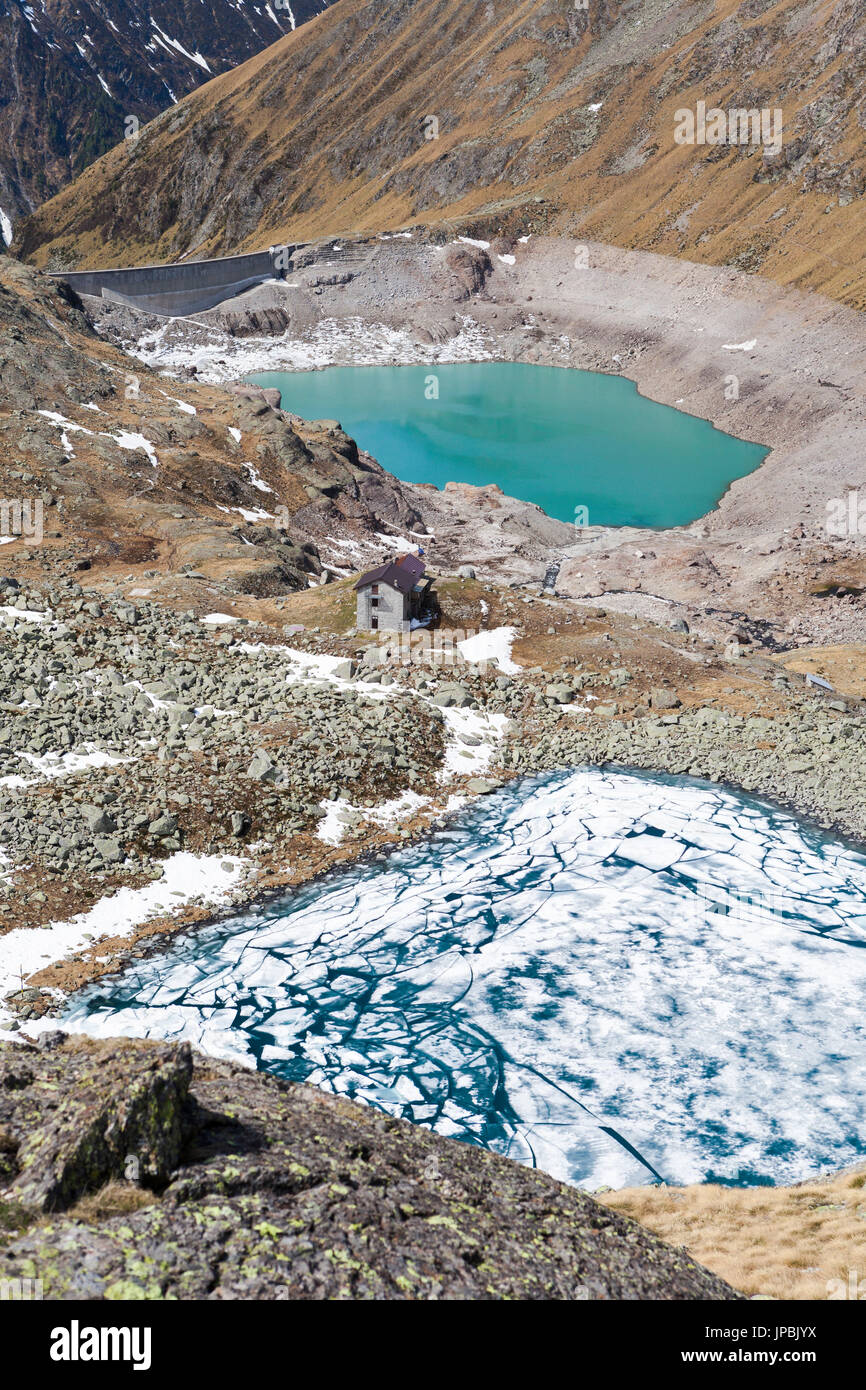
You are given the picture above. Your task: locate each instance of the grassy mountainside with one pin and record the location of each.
(74, 71)
(549, 117)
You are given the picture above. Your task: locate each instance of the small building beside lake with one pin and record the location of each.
(391, 596)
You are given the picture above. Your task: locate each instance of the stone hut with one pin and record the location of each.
(391, 595)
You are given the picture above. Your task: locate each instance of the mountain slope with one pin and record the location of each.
(75, 70)
(266, 1190)
(128, 473)
(548, 117)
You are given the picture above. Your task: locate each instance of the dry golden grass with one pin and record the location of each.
(114, 1199)
(331, 607)
(292, 107)
(843, 666)
(782, 1242)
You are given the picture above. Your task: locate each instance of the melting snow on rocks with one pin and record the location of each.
(206, 880)
(493, 644)
(330, 342)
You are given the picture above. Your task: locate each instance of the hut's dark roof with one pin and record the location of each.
(402, 574)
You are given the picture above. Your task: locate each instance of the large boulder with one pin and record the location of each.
(74, 1116)
(281, 1191)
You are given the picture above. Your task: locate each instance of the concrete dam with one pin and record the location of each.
(173, 291)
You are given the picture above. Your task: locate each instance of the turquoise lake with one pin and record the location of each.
(560, 438)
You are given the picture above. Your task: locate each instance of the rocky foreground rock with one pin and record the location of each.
(135, 1170)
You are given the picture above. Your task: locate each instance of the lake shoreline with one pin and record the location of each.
(687, 335)
(565, 906)
(582, 446)
(688, 748)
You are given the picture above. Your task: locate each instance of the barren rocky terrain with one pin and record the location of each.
(178, 680)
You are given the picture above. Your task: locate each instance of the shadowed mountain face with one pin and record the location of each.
(507, 117)
(75, 70)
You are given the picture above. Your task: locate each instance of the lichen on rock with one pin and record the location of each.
(266, 1190)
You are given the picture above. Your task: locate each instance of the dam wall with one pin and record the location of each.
(189, 287)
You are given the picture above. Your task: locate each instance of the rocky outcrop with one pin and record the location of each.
(126, 466)
(70, 1123)
(229, 1184)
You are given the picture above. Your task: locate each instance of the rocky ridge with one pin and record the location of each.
(133, 1170)
(120, 467)
(79, 77)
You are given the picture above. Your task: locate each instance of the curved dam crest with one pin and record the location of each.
(181, 288)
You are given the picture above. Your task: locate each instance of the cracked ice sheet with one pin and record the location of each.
(206, 880)
(520, 982)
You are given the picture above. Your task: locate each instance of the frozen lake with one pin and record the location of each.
(606, 974)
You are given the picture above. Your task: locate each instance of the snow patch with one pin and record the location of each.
(134, 442)
(493, 644)
(169, 43)
(340, 814)
(187, 878)
(331, 342)
(473, 736)
(182, 405)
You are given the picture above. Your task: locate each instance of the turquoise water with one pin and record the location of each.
(608, 975)
(560, 438)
